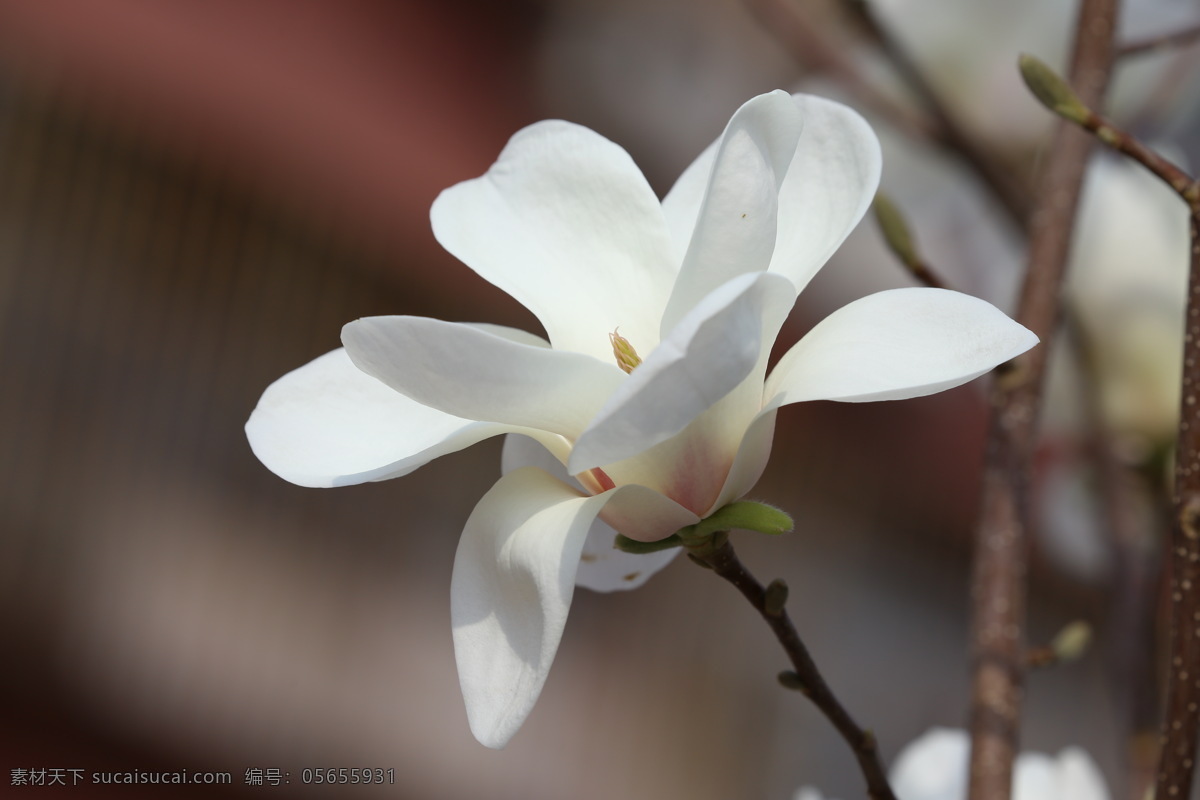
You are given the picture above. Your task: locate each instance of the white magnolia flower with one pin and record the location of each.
(697, 286)
(934, 767)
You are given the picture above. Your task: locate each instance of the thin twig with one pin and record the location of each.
(807, 678)
(1012, 196)
(1161, 41)
(1165, 170)
(898, 237)
(998, 582)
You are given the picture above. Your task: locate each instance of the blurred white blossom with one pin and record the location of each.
(935, 767)
(1128, 281)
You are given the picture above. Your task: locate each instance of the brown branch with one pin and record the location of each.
(1162, 41)
(1165, 170)
(1012, 196)
(998, 581)
(806, 678)
(1181, 719)
(1179, 730)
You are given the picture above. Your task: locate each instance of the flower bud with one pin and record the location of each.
(1051, 90)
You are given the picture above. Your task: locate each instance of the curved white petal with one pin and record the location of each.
(735, 228)
(750, 461)
(713, 349)
(602, 567)
(512, 334)
(522, 451)
(328, 423)
(566, 224)
(1079, 777)
(644, 514)
(681, 205)
(897, 344)
(808, 793)
(514, 576)
(933, 766)
(472, 373)
(1035, 778)
(829, 186)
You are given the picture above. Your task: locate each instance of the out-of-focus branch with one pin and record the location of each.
(1163, 41)
(817, 50)
(1012, 196)
(998, 581)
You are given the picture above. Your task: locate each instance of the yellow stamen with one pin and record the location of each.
(627, 357)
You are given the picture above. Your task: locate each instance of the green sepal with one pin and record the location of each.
(745, 515)
(627, 545)
(710, 533)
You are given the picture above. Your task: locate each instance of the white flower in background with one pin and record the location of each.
(1128, 286)
(646, 432)
(935, 767)
(1127, 290)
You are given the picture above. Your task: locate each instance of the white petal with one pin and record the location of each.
(829, 186)
(750, 461)
(932, 767)
(1079, 777)
(514, 576)
(522, 451)
(330, 424)
(566, 223)
(897, 344)
(512, 334)
(1034, 778)
(644, 514)
(602, 567)
(735, 229)
(808, 793)
(472, 373)
(710, 353)
(681, 206)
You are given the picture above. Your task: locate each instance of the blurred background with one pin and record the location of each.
(195, 196)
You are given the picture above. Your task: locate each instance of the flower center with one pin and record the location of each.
(627, 357)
